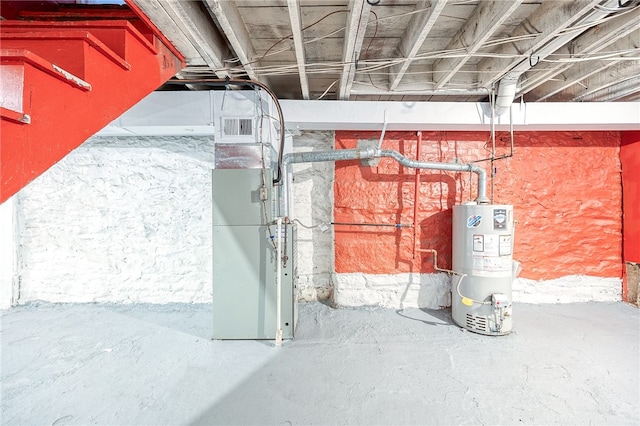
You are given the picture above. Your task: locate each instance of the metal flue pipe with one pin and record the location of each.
(450, 167)
(367, 153)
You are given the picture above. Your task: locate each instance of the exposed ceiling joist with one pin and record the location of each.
(420, 50)
(413, 89)
(201, 33)
(354, 36)
(413, 38)
(227, 15)
(624, 79)
(592, 41)
(627, 97)
(293, 7)
(161, 19)
(541, 27)
(486, 20)
(576, 73)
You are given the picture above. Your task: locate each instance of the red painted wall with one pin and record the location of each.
(630, 160)
(565, 188)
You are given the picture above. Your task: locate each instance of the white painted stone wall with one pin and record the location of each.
(312, 205)
(129, 220)
(125, 219)
(8, 255)
(408, 290)
(433, 291)
(568, 289)
(120, 220)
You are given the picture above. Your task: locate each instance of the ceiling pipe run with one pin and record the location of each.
(369, 153)
(508, 85)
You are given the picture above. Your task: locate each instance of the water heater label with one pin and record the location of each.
(492, 255)
(490, 266)
(478, 242)
(505, 245)
(491, 245)
(474, 221)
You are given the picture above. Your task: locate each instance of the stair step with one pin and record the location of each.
(15, 98)
(24, 56)
(112, 33)
(63, 108)
(55, 104)
(64, 48)
(15, 116)
(79, 12)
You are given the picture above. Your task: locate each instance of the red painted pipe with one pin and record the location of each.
(416, 228)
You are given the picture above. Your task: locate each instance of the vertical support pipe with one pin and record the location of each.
(493, 137)
(278, 281)
(416, 228)
(384, 129)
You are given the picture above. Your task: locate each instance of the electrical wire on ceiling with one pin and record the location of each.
(327, 90)
(368, 67)
(505, 40)
(363, 68)
(595, 57)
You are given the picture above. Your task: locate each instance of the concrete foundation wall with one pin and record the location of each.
(129, 220)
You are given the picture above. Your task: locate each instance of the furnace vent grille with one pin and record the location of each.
(237, 127)
(475, 322)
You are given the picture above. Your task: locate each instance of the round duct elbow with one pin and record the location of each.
(506, 94)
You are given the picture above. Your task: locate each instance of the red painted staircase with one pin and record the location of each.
(65, 73)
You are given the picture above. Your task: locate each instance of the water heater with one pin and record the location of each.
(482, 261)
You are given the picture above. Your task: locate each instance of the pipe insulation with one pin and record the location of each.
(367, 153)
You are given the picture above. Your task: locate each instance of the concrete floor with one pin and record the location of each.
(155, 364)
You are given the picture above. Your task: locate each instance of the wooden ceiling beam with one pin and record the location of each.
(486, 20)
(413, 89)
(293, 7)
(161, 19)
(607, 86)
(413, 38)
(592, 41)
(199, 30)
(353, 38)
(575, 73)
(228, 17)
(541, 27)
